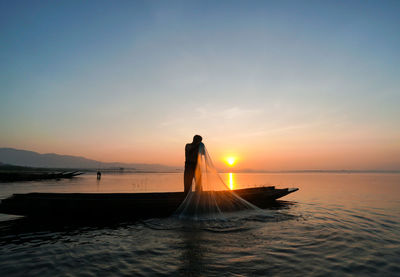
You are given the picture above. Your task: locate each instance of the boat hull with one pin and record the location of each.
(117, 205)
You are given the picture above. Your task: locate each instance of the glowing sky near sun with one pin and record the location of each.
(279, 85)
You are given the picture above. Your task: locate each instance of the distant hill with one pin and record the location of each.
(34, 159)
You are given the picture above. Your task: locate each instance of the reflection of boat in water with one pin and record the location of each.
(115, 205)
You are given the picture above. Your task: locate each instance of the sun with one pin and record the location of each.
(230, 161)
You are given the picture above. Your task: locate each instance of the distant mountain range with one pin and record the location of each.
(11, 156)
(33, 159)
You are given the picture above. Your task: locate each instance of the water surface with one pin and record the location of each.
(335, 225)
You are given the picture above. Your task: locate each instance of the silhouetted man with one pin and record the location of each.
(191, 153)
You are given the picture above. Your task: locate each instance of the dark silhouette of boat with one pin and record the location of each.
(119, 205)
(35, 176)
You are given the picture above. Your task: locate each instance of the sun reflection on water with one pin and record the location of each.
(231, 180)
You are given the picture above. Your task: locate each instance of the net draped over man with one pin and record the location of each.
(191, 158)
(203, 199)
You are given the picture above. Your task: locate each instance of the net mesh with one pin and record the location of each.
(209, 198)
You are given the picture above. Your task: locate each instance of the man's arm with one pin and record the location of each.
(202, 148)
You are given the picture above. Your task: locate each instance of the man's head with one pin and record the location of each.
(197, 139)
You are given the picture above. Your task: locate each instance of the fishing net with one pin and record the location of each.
(209, 198)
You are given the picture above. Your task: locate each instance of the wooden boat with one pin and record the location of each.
(118, 205)
(14, 176)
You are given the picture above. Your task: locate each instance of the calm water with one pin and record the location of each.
(335, 225)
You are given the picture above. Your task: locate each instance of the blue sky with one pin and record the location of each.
(280, 84)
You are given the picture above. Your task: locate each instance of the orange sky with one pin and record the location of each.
(286, 151)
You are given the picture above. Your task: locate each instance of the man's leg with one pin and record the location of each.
(188, 178)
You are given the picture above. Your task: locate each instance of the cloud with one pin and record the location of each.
(264, 132)
(172, 122)
(227, 114)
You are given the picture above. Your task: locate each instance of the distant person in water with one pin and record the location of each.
(191, 153)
